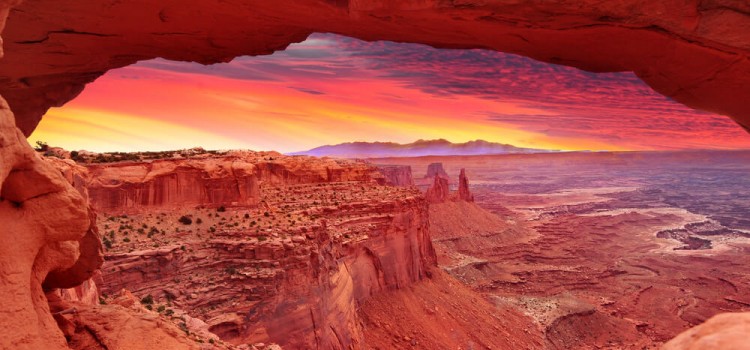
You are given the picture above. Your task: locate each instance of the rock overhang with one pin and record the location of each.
(693, 52)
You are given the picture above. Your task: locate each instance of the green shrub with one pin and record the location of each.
(185, 220)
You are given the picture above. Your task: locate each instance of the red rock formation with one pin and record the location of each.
(463, 187)
(319, 248)
(723, 331)
(397, 175)
(439, 191)
(123, 324)
(231, 179)
(693, 52)
(46, 231)
(436, 169)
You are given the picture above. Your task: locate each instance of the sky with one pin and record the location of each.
(331, 89)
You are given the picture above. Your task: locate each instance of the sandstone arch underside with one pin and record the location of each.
(694, 51)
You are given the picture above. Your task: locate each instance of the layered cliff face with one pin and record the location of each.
(290, 266)
(695, 52)
(230, 179)
(397, 175)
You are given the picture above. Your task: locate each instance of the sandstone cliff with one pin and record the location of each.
(397, 175)
(286, 260)
(231, 179)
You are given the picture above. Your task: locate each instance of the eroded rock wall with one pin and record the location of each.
(397, 175)
(228, 180)
(297, 285)
(48, 239)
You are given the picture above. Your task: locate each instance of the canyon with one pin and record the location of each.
(693, 52)
(598, 266)
(257, 245)
(243, 249)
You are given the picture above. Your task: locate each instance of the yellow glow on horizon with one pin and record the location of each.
(107, 131)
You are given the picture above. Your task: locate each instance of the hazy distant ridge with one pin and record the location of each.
(439, 147)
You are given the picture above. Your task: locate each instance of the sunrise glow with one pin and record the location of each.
(331, 89)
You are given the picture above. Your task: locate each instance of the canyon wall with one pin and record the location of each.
(290, 262)
(397, 175)
(227, 180)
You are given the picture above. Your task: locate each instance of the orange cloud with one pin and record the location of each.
(331, 89)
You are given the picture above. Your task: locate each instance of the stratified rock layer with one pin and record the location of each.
(695, 52)
(397, 175)
(290, 266)
(231, 180)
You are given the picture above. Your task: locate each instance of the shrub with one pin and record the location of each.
(185, 220)
(221, 209)
(41, 146)
(107, 243)
(262, 238)
(266, 214)
(247, 216)
(161, 308)
(198, 221)
(126, 240)
(147, 300)
(169, 312)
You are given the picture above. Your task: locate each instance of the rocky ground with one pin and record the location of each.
(318, 253)
(603, 250)
(245, 249)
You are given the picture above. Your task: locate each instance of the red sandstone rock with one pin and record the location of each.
(436, 169)
(231, 179)
(117, 327)
(299, 285)
(464, 193)
(44, 221)
(397, 175)
(693, 52)
(723, 331)
(439, 191)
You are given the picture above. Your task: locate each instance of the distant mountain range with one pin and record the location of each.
(419, 148)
